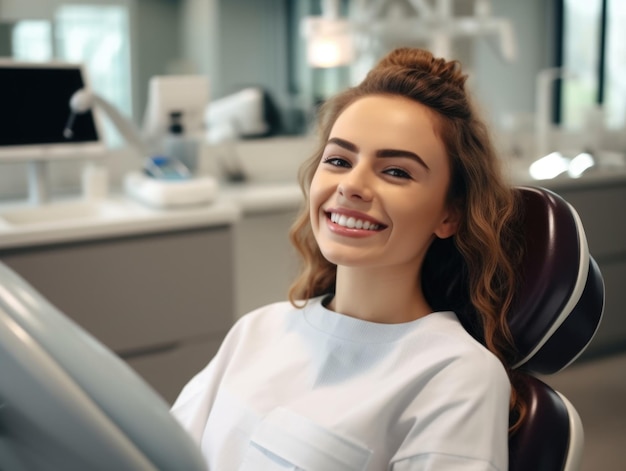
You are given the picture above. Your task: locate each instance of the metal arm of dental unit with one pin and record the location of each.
(84, 100)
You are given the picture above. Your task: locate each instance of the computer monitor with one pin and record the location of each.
(34, 111)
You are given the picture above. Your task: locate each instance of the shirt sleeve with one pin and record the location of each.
(193, 405)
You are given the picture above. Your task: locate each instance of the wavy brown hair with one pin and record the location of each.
(473, 272)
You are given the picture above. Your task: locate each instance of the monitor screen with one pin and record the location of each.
(35, 111)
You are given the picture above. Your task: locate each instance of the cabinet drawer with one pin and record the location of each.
(136, 292)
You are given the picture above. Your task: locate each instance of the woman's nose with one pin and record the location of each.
(356, 184)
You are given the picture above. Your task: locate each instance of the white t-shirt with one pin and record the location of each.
(315, 390)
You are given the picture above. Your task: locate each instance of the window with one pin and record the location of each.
(31, 41)
(580, 58)
(594, 51)
(615, 72)
(96, 35)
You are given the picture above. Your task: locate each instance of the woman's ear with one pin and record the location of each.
(450, 224)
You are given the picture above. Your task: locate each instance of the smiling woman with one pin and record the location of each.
(374, 364)
(396, 177)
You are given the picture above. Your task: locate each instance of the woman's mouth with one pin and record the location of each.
(352, 222)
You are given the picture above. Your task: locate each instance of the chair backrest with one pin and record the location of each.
(558, 310)
(67, 402)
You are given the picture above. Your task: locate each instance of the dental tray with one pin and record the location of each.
(170, 193)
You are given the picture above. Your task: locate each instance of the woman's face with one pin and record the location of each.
(378, 195)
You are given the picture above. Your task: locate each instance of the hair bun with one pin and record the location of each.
(421, 60)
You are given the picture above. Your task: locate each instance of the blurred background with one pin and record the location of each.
(548, 76)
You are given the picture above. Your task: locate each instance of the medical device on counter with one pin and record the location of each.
(174, 122)
(178, 145)
(154, 185)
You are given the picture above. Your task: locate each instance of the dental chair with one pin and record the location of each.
(556, 313)
(558, 310)
(68, 403)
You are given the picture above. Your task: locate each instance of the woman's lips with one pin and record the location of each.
(352, 223)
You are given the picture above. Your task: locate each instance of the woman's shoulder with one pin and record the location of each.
(447, 338)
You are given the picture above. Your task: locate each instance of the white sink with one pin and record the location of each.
(60, 213)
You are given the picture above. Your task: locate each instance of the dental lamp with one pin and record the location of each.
(332, 40)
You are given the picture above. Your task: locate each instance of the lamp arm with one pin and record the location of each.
(84, 100)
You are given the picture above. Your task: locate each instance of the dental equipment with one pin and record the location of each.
(160, 193)
(84, 100)
(385, 22)
(33, 116)
(184, 95)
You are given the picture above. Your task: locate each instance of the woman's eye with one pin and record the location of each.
(398, 173)
(337, 162)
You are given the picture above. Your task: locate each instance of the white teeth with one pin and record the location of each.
(352, 222)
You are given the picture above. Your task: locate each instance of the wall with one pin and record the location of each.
(200, 38)
(238, 43)
(156, 36)
(502, 88)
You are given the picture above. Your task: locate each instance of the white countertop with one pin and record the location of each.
(73, 218)
(115, 216)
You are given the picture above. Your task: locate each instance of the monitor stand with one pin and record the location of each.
(38, 182)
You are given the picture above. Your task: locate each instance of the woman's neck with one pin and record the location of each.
(379, 295)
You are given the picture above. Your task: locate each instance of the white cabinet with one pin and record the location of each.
(265, 261)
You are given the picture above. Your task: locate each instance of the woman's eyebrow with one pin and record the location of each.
(402, 153)
(343, 143)
(380, 153)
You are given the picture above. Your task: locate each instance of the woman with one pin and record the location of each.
(368, 367)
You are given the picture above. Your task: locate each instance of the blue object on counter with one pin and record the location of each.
(166, 168)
